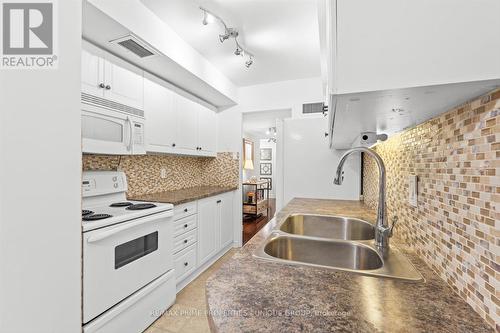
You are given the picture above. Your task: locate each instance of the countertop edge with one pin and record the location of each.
(150, 196)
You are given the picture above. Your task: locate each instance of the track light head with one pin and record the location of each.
(249, 62)
(223, 37)
(238, 51)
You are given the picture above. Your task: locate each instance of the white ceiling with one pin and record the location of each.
(257, 123)
(282, 34)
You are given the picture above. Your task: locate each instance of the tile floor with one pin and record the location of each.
(189, 313)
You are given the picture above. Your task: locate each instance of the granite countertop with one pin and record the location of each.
(178, 197)
(248, 294)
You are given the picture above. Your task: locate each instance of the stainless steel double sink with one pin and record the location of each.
(334, 242)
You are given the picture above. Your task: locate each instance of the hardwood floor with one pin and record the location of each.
(253, 225)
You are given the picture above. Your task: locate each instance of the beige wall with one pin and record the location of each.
(456, 226)
(143, 171)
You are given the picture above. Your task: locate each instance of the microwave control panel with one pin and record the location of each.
(138, 134)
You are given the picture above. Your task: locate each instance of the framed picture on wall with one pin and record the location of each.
(266, 154)
(270, 180)
(266, 169)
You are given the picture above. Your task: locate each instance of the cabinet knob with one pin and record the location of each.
(101, 85)
(185, 225)
(108, 87)
(185, 241)
(173, 144)
(185, 264)
(185, 210)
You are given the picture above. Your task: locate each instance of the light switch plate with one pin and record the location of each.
(413, 190)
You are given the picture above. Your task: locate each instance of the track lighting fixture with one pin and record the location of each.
(209, 17)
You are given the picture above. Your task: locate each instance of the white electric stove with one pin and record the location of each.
(128, 269)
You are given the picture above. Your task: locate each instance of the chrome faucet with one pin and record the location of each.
(382, 230)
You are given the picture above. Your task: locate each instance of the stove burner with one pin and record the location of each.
(86, 212)
(121, 204)
(141, 206)
(95, 217)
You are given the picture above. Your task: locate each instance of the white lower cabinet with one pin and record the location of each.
(225, 213)
(202, 230)
(208, 229)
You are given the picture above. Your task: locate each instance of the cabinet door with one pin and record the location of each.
(123, 83)
(160, 116)
(92, 71)
(208, 229)
(206, 129)
(187, 123)
(225, 212)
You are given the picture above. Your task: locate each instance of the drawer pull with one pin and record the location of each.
(185, 225)
(185, 210)
(185, 241)
(185, 264)
(219, 201)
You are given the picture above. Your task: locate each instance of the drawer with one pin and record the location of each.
(184, 225)
(184, 210)
(185, 240)
(185, 262)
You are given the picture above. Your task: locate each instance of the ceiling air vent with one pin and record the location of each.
(136, 45)
(309, 108)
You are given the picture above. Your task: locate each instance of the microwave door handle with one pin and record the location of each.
(114, 231)
(131, 134)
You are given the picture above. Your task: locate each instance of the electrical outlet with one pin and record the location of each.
(163, 173)
(413, 190)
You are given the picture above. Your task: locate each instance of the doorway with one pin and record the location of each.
(262, 176)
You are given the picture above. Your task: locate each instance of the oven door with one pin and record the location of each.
(120, 259)
(111, 132)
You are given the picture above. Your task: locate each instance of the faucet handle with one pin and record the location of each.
(394, 221)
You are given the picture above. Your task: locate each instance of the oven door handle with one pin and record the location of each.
(108, 233)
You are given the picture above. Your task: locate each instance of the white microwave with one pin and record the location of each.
(109, 131)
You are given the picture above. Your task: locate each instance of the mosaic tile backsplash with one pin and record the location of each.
(143, 171)
(455, 227)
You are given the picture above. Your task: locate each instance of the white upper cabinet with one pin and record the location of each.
(187, 123)
(122, 84)
(207, 129)
(390, 65)
(177, 125)
(391, 44)
(106, 76)
(93, 71)
(161, 118)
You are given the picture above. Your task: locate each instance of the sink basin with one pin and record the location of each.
(324, 226)
(325, 253)
(359, 257)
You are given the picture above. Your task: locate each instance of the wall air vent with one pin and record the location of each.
(136, 45)
(309, 108)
